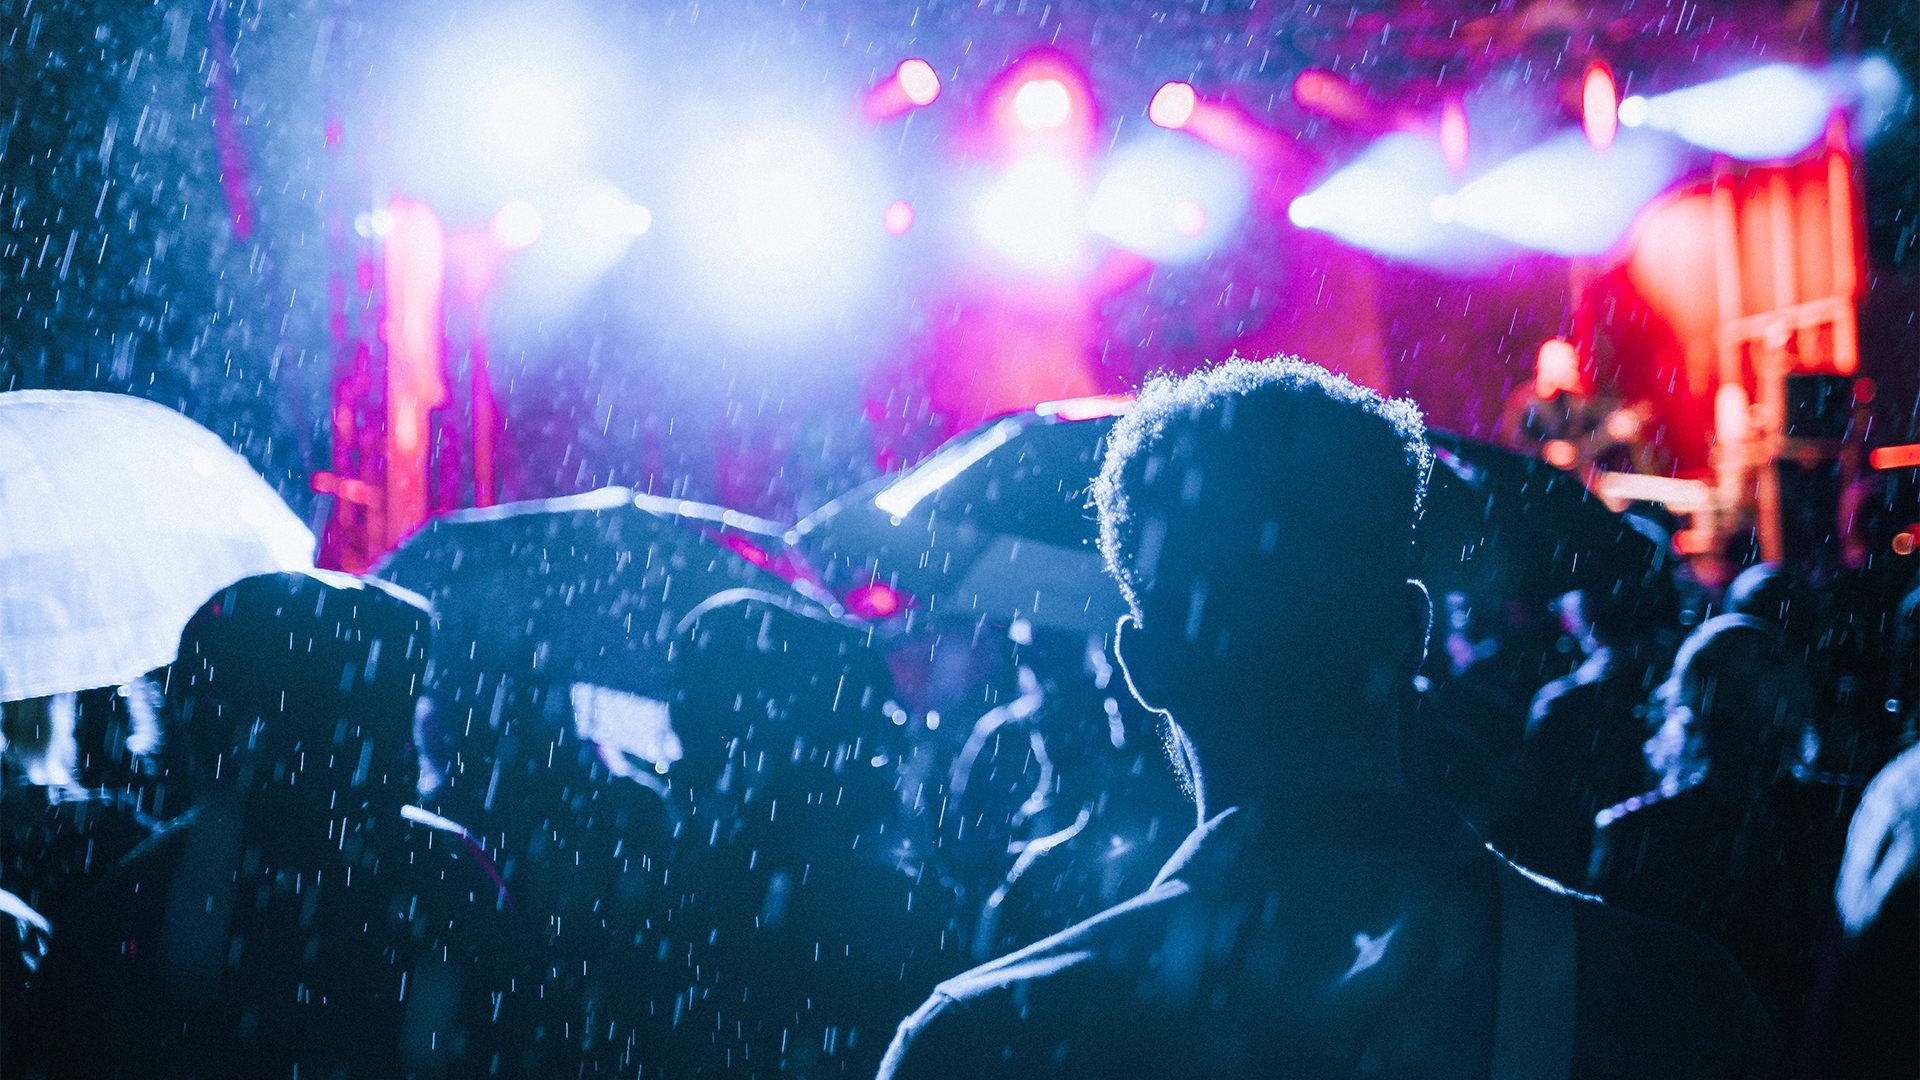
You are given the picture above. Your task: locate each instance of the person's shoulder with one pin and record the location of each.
(1657, 996)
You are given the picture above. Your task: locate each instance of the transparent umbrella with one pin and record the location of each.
(118, 518)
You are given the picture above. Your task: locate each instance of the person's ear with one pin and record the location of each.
(1141, 674)
(1417, 612)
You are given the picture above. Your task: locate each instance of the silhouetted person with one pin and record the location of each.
(1731, 843)
(1318, 921)
(1582, 749)
(296, 919)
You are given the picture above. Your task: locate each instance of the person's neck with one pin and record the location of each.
(1275, 771)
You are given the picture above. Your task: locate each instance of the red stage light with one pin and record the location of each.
(1896, 457)
(1454, 137)
(1599, 105)
(917, 78)
(899, 217)
(1173, 105)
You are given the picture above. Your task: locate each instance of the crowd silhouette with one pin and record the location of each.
(1342, 828)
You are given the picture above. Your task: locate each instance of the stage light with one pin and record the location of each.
(1564, 197)
(779, 214)
(918, 79)
(527, 117)
(1168, 198)
(1172, 105)
(912, 85)
(1454, 135)
(1036, 214)
(516, 225)
(1762, 114)
(1633, 111)
(1043, 103)
(899, 217)
(1599, 115)
(604, 209)
(1189, 218)
(1384, 201)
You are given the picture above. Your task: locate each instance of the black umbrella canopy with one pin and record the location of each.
(1513, 524)
(995, 525)
(589, 588)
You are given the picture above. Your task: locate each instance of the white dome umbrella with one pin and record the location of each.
(118, 518)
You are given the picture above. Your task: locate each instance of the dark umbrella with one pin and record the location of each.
(996, 525)
(587, 588)
(1495, 519)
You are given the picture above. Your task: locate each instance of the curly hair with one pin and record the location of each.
(1277, 456)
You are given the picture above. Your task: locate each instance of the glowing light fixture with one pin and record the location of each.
(1043, 103)
(899, 217)
(918, 80)
(1761, 114)
(516, 225)
(1173, 105)
(1599, 115)
(1036, 214)
(1455, 139)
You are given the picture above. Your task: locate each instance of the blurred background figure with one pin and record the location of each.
(300, 914)
(1733, 842)
(1582, 746)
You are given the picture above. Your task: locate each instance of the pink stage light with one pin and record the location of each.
(1455, 139)
(1599, 105)
(912, 85)
(1173, 105)
(899, 217)
(918, 80)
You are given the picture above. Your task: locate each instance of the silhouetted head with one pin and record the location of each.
(1259, 518)
(303, 684)
(1773, 594)
(1736, 707)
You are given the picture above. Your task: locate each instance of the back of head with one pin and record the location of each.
(1259, 516)
(1749, 696)
(303, 683)
(1773, 594)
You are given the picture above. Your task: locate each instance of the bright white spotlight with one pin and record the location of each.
(779, 214)
(1036, 214)
(526, 119)
(604, 209)
(1769, 112)
(1384, 200)
(1168, 198)
(1633, 111)
(1043, 103)
(516, 225)
(1566, 198)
